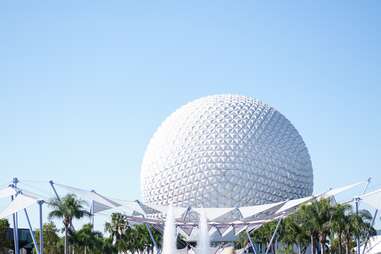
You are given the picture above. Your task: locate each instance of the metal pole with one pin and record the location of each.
(92, 213)
(54, 189)
(31, 232)
(15, 233)
(371, 225)
(357, 200)
(251, 242)
(15, 182)
(40, 203)
(15, 219)
(273, 236)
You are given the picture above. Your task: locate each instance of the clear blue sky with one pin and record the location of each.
(84, 84)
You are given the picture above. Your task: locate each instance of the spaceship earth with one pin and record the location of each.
(225, 151)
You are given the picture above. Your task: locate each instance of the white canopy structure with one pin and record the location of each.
(178, 212)
(214, 213)
(21, 202)
(372, 199)
(224, 223)
(131, 208)
(294, 204)
(336, 191)
(7, 192)
(250, 211)
(100, 203)
(153, 214)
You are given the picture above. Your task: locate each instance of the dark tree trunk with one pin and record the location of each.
(65, 245)
(347, 243)
(322, 239)
(340, 243)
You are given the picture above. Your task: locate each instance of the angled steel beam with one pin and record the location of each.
(371, 225)
(31, 232)
(251, 242)
(54, 189)
(152, 238)
(273, 236)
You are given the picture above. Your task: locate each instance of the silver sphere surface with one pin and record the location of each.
(225, 151)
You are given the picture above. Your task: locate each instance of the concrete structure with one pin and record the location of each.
(225, 151)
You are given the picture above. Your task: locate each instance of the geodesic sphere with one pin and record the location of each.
(225, 151)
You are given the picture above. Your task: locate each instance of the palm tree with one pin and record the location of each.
(117, 229)
(88, 239)
(358, 225)
(141, 240)
(323, 210)
(107, 246)
(349, 228)
(67, 208)
(264, 233)
(321, 220)
(241, 241)
(305, 215)
(316, 219)
(339, 222)
(4, 242)
(142, 236)
(51, 239)
(293, 233)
